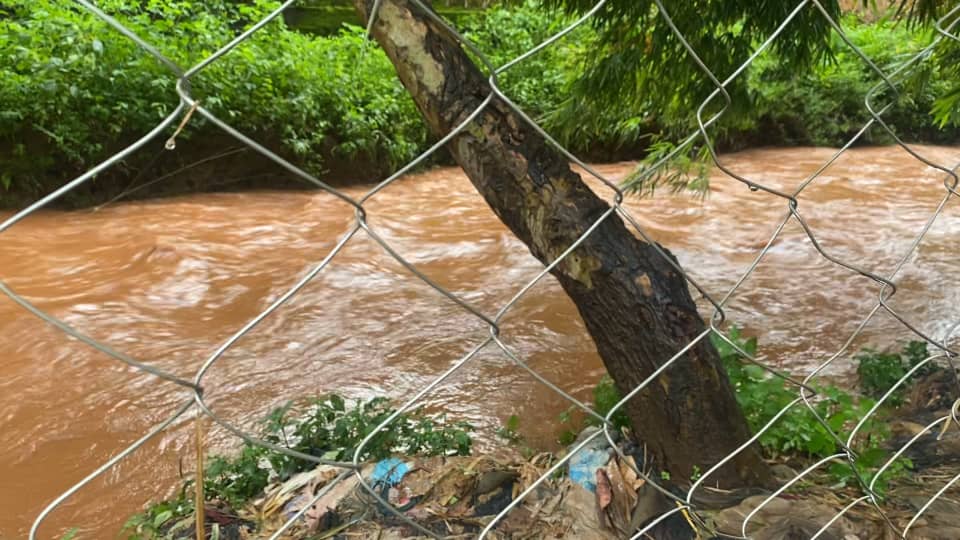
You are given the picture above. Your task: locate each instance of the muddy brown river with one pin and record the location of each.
(167, 281)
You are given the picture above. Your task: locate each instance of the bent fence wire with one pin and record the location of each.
(885, 285)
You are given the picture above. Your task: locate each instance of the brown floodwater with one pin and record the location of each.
(167, 281)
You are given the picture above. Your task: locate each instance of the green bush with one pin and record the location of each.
(796, 434)
(879, 371)
(762, 395)
(327, 428)
(821, 106)
(75, 90)
(539, 83)
(825, 106)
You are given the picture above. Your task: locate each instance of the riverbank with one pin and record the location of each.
(597, 494)
(75, 92)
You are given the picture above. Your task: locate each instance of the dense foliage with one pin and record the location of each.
(807, 88)
(538, 83)
(331, 430)
(641, 63)
(947, 107)
(797, 436)
(74, 90)
(762, 395)
(826, 106)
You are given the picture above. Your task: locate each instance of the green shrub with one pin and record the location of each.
(825, 106)
(543, 84)
(796, 434)
(539, 83)
(879, 371)
(162, 520)
(762, 395)
(775, 104)
(327, 428)
(75, 90)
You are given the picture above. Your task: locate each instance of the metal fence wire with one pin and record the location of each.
(885, 285)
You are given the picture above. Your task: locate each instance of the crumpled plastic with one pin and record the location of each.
(585, 463)
(389, 472)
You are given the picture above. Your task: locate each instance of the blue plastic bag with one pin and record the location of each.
(389, 472)
(584, 464)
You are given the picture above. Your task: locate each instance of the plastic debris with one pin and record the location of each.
(585, 463)
(389, 472)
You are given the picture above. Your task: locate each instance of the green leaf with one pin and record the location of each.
(162, 518)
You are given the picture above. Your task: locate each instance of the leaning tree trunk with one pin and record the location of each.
(636, 307)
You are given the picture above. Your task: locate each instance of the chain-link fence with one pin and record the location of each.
(886, 285)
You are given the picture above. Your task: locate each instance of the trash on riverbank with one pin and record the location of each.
(459, 497)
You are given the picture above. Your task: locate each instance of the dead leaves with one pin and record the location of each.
(617, 497)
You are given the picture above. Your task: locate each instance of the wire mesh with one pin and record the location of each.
(886, 285)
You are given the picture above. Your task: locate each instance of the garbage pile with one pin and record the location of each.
(449, 496)
(597, 495)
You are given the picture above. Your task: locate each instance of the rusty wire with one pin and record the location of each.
(886, 285)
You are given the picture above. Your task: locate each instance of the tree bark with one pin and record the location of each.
(636, 307)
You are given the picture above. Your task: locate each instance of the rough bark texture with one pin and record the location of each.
(636, 307)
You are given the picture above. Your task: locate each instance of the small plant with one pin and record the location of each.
(867, 464)
(879, 371)
(162, 519)
(509, 430)
(329, 429)
(696, 474)
(605, 398)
